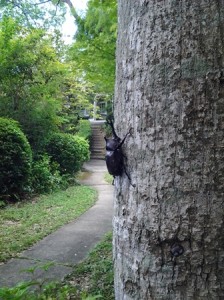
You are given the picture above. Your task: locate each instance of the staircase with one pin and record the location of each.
(97, 143)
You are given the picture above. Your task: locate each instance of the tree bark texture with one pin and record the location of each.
(170, 91)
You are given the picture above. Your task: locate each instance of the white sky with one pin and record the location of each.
(69, 28)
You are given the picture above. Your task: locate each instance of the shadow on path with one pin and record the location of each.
(71, 243)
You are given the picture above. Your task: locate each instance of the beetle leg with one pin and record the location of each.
(122, 142)
(125, 171)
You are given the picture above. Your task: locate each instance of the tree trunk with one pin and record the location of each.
(168, 229)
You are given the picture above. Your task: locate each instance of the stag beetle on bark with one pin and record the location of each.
(114, 155)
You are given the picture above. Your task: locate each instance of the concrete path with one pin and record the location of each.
(71, 243)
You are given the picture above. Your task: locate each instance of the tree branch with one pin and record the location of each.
(72, 9)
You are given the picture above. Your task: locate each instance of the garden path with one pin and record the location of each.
(71, 243)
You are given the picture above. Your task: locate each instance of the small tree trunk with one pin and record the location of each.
(170, 89)
(72, 9)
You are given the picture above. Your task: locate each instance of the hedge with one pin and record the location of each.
(15, 159)
(69, 151)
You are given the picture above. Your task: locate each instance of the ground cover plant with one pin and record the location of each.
(24, 223)
(95, 276)
(108, 178)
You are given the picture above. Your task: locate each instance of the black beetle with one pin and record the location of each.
(176, 250)
(114, 155)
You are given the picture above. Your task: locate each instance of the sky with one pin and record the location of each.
(69, 28)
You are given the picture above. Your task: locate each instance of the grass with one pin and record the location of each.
(108, 178)
(91, 279)
(25, 223)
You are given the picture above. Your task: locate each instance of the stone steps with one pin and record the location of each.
(97, 143)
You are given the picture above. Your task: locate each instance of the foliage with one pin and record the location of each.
(108, 178)
(68, 151)
(31, 76)
(34, 13)
(24, 223)
(41, 86)
(45, 176)
(49, 291)
(19, 292)
(46, 89)
(84, 129)
(37, 87)
(77, 96)
(95, 42)
(15, 159)
(92, 279)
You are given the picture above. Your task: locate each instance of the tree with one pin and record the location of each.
(37, 87)
(42, 14)
(94, 46)
(77, 95)
(31, 80)
(168, 229)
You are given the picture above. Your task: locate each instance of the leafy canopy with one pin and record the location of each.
(43, 14)
(30, 79)
(95, 43)
(36, 84)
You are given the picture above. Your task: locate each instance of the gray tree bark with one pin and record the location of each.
(170, 90)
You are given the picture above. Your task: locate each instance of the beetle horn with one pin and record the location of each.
(110, 122)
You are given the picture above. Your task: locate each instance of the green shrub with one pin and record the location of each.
(15, 159)
(45, 177)
(69, 151)
(106, 127)
(84, 129)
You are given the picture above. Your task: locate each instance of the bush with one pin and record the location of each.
(15, 159)
(84, 129)
(69, 151)
(45, 177)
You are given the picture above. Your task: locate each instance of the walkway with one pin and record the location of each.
(71, 243)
